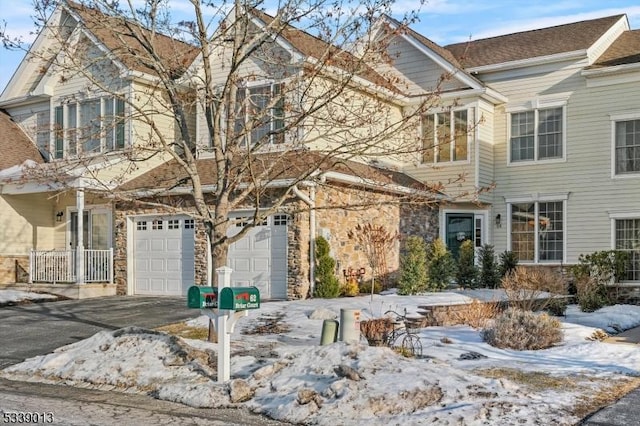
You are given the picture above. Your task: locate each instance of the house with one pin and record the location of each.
(555, 128)
(101, 230)
(535, 136)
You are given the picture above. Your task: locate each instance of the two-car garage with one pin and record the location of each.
(164, 255)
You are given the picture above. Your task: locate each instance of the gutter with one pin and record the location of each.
(310, 200)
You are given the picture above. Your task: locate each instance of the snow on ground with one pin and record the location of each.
(17, 296)
(290, 377)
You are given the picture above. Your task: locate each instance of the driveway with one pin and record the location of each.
(39, 328)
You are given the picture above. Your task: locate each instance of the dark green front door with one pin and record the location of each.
(458, 228)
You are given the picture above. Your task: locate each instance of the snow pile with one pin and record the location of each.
(279, 369)
(16, 296)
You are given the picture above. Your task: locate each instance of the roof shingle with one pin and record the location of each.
(531, 44)
(15, 145)
(625, 50)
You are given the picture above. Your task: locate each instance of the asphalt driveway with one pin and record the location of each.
(39, 328)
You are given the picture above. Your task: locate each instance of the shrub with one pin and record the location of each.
(508, 262)
(592, 275)
(477, 314)
(413, 267)
(365, 287)
(557, 306)
(327, 284)
(489, 274)
(467, 273)
(440, 265)
(591, 294)
(377, 331)
(526, 287)
(523, 330)
(350, 287)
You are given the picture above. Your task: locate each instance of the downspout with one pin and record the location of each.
(310, 200)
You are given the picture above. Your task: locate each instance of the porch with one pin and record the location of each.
(76, 274)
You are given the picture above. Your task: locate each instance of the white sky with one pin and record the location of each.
(443, 21)
(440, 389)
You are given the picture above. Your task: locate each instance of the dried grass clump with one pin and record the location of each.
(377, 331)
(523, 330)
(526, 287)
(477, 314)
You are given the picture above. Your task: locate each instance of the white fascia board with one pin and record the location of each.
(607, 76)
(607, 39)
(529, 62)
(23, 100)
(490, 95)
(370, 183)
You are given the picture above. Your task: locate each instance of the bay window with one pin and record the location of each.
(91, 126)
(261, 108)
(445, 137)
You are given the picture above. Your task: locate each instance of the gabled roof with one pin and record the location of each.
(313, 47)
(572, 37)
(290, 165)
(123, 39)
(625, 50)
(15, 145)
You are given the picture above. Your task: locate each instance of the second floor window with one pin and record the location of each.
(262, 109)
(445, 137)
(95, 125)
(537, 134)
(627, 146)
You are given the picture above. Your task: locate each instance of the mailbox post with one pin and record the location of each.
(233, 303)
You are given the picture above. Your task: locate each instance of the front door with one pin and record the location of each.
(463, 226)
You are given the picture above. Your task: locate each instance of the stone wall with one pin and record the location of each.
(376, 208)
(14, 269)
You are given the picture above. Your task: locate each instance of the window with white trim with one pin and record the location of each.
(536, 134)
(91, 126)
(537, 231)
(627, 238)
(261, 109)
(445, 137)
(627, 146)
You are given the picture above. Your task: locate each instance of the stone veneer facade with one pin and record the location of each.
(330, 221)
(14, 269)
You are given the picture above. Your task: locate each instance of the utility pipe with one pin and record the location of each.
(310, 200)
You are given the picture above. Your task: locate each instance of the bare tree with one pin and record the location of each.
(308, 86)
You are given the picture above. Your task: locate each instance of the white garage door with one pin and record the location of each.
(260, 258)
(164, 255)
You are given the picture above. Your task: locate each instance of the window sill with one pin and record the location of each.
(445, 164)
(623, 176)
(536, 162)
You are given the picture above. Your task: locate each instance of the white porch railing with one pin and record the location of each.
(59, 266)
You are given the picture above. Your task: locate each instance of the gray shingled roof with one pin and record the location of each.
(531, 44)
(15, 145)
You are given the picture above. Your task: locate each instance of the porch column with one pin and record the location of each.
(80, 234)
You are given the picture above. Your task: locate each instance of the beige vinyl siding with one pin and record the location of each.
(485, 134)
(585, 176)
(27, 224)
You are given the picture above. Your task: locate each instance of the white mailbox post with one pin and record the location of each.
(232, 304)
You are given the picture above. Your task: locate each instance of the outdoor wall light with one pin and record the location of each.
(498, 220)
(59, 216)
